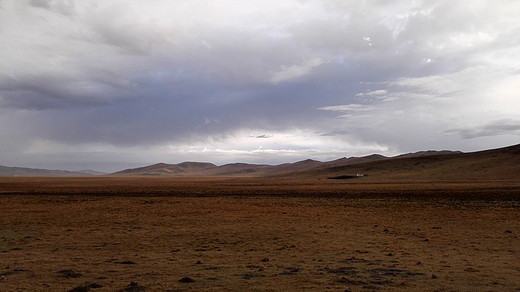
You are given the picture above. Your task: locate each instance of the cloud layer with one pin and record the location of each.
(89, 84)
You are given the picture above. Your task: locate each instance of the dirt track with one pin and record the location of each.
(255, 242)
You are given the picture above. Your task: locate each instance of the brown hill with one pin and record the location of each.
(243, 169)
(354, 160)
(209, 169)
(296, 166)
(240, 169)
(184, 168)
(496, 164)
(427, 153)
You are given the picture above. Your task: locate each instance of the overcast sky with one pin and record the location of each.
(108, 85)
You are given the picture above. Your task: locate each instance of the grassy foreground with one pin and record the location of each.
(164, 234)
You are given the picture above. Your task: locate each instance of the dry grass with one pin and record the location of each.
(234, 234)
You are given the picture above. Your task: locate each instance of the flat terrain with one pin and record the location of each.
(247, 234)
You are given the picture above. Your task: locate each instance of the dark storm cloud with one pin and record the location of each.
(206, 76)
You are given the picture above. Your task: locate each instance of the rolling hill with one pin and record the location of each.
(184, 168)
(304, 167)
(496, 164)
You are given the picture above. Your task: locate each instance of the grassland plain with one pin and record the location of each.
(258, 234)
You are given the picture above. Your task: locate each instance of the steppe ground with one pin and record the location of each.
(247, 234)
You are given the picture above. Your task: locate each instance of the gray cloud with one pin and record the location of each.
(63, 7)
(344, 75)
(494, 128)
(264, 136)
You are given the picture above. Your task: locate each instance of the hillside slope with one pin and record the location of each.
(185, 168)
(496, 164)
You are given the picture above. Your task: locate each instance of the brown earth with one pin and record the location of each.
(247, 234)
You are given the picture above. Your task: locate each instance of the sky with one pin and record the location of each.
(109, 85)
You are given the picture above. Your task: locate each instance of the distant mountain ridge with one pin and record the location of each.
(495, 164)
(25, 171)
(244, 169)
(169, 169)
